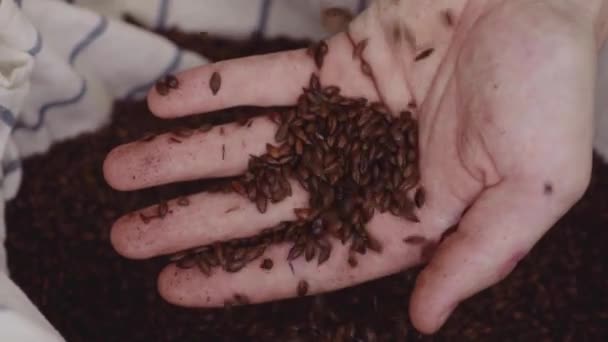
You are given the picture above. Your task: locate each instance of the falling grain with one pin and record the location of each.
(319, 53)
(366, 69)
(172, 82)
(415, 240)
(229, 210)
(183, 201)
(145, 219)
(215, 82)
(205, 128)
(174, 140)
(359, 48)
(148, 137)
(162, 88)
(419, 197)
(163, 209)
(448, 17)
(424, 54)
(302, 288)
(267, 264)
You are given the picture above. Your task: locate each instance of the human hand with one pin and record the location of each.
(505, 120)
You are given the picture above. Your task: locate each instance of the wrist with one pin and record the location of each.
(594, 12)
(601, 25)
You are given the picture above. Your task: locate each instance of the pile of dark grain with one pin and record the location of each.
(60, 255)
(352, 157)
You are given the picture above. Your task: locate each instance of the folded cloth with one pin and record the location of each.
(63, 64)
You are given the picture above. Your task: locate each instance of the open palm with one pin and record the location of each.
(503, 91)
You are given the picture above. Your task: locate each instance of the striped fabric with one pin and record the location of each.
(34, 134)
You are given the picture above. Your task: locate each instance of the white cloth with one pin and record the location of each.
(62, 66)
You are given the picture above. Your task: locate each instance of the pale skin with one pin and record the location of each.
(505, 110)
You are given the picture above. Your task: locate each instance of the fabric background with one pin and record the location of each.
(62, 65)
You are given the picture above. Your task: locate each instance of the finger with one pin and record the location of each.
(267, 80)
(417, 36)
(493, 236)
(192, 288)
(205, 219)
(222, 151)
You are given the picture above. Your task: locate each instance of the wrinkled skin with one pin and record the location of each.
(505, 106)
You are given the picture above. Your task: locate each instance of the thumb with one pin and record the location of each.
(493, 236)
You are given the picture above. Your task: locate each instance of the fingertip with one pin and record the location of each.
(118, 240)
(112, 172)
(429, 324)
(424, 325)
(425, 309)
(435, 297)
(175, 286)
(166, 285)
(133, 236)
(127, 238)
(157, 104)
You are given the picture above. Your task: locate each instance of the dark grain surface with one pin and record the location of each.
(60, 255)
